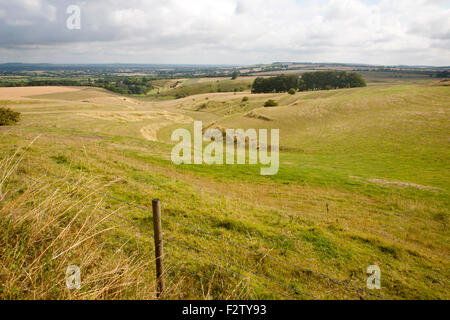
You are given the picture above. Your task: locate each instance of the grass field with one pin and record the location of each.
(363, 180)
(184, 88)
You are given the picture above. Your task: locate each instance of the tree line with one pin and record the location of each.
(137, 86)
(319, 80)
(275, 84)
(443, 74)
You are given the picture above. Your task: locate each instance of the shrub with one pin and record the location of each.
(270, 103)
(244, 99)
(292, 91)
(202, 106)
(8, 117)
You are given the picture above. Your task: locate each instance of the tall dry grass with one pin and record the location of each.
(48, 226)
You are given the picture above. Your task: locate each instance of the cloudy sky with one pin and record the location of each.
(414, 32)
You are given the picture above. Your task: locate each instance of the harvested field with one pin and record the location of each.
(26, 92)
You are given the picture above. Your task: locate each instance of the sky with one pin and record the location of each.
(235, 32)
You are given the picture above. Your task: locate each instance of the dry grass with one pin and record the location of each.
(23, 92)
(48, 226)
(256, 115)
(323, 211)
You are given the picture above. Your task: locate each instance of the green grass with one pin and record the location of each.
(193, 88)
(376, 157)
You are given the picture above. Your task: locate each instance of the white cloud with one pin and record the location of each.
(230, 31)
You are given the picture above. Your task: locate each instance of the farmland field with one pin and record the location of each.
(363, 180)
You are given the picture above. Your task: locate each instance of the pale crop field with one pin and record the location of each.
(23, 92)
(363, 181)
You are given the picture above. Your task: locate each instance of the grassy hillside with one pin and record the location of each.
(196, 86)
(363, 180)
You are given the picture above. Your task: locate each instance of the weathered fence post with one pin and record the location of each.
(156, 204)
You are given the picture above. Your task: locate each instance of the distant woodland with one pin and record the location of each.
(320, 80)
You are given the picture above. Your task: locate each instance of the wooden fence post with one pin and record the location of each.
(156, 204)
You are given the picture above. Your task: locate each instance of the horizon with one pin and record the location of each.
(223, 65)
(224, 158)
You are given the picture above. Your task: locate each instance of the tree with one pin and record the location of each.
(235, 75)
(8, 117)
(327, 80)
(443, 74)
(275, 84)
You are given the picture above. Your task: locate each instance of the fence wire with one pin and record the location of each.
(168, 240)
(232, 272)
(230, 242)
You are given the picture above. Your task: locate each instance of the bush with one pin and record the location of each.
(8, 117)
(244, 99)
(202, 106)
(270, 103)
(292, 91)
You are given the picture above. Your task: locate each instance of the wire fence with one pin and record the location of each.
(201, 253)
(171, 240)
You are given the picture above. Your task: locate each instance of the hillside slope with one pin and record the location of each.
(363, 181)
